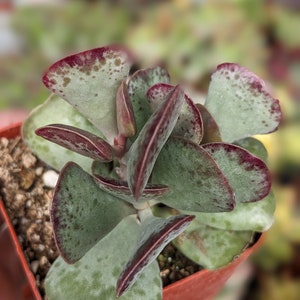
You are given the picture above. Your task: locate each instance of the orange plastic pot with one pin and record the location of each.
(17, 281)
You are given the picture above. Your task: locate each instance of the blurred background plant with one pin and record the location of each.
(190, 37)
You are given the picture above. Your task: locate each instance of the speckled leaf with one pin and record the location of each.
(189, 124)
(145, 149)
(210, 127)
(55, 110)
(138, 86)
(254, 146)
(82, 214)
(247, 174)
(253, 216)
(89, 82)
(77, 140)
(210, 247)
(155, 234)
(120, 189)
(195, 181)
(240, 103)
(125, 117)
(94, 277)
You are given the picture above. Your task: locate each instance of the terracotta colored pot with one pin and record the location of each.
(17, 281)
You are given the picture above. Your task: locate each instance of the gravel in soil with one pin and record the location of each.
(27, 198)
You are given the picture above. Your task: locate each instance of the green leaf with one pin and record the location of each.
(55, 110)
(247, 174)
(82, 214)
(253, 216)
(95, 276)
(240, 103)
(138, 85)
(155, 234)
(144, 151)
(195, 181)
(210, 247)
(89, 81)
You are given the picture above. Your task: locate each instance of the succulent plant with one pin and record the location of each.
(142, 164)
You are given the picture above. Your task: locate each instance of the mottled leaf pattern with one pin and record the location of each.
(144, 151)
(195, 181)
(89, 80)
(138, 85)
(240, 103)
(55, 109)
(189, 124)
(82, 214)
(155, 234)
(247, 174)
(94, 277)
(77, 140)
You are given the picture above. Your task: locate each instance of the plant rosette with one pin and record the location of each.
(142, 164)
(19, 283)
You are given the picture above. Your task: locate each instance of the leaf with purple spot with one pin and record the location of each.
(247, 174)
(82, 214)
(138, 85)
(240, 103)
(89, 80)
(195, 181)
(154, 235)
(125, 117)
(77, 140)
(189, 124)
(144, 151)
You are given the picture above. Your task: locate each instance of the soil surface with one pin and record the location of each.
(27, 197)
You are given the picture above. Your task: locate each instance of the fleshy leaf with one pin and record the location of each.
(120, 189)
(138, 85)
(100, 267)
(195, 181)
(145, 149)
(82, 214)
(189, 124)
(210, 127)
(247, 174)
(89, 81)
(55, 110)
(155, 234)
(210, 247)
(125, 117)
(77, 140)
(254, 146)
(253, 216)
(240, 103)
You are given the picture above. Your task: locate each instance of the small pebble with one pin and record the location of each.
(39, 171)
(50, 178)
(34, 266)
